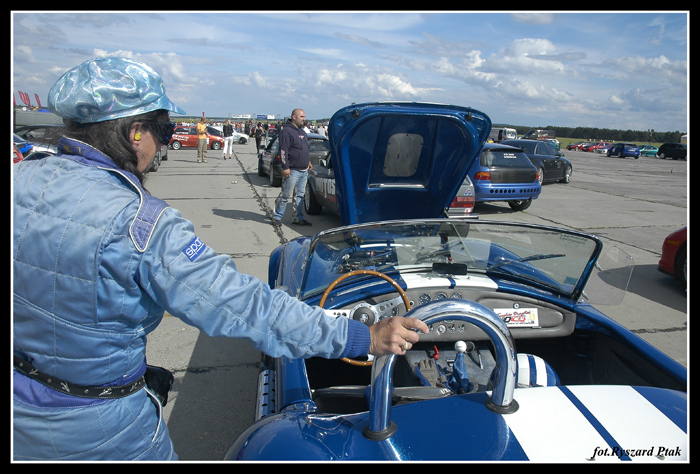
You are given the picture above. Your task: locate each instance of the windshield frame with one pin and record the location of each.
(522, 256)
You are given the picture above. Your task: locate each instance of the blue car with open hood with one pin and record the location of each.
(519, 363)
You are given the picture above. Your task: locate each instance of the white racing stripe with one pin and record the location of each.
(550, 428)
(634, 422)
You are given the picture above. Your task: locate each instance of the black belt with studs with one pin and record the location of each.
(69, 388)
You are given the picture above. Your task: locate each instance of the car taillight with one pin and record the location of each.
(537, 176)
(277, 159)
(463, 202)
(483, 175)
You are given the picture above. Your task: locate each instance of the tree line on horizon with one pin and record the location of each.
(593, 133)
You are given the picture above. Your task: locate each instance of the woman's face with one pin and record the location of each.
(145, 144)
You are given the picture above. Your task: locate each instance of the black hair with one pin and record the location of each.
(111, 137)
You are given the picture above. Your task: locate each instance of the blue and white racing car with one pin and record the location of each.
(518, 364)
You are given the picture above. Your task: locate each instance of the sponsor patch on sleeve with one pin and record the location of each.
(194, 249)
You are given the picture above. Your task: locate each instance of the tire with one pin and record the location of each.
(540, 175)
(261, 170)
(567, 175)
(176, 145)
(680, 266)
(242, 141)
(520, 205)
(155, 164)
(311, 205)
(216, 146)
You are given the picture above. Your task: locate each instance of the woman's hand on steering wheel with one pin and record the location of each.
(387, 337)
(395, 335)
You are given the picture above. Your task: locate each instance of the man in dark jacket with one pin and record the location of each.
(294, 153)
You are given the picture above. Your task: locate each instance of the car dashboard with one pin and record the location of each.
(525, 317)
(338, 387)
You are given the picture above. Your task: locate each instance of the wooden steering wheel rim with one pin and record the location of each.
(363, 363)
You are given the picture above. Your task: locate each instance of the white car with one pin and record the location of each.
(238, 137)
(241, 138)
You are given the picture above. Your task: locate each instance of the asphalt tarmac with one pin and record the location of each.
(631, 204)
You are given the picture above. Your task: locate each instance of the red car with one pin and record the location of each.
(674, 257)
(595, 146)
(16, 155)
(185, 136)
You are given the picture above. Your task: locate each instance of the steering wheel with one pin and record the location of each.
(363, 363)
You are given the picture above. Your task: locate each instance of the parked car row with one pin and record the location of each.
(667, 150)
(511, 171)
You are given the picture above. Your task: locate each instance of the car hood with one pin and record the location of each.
(402, 160)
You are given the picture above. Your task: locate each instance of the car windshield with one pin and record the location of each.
(319, 145)
(556, 260)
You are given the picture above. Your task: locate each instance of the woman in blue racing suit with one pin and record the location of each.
(96, 262)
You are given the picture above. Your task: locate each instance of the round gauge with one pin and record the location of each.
(441, 296)
(424, 298)
(456, 295)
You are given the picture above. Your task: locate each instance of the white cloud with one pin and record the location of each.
(539, 18)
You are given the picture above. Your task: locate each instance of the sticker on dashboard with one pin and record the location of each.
(519, 317)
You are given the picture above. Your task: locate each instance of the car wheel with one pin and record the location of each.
(520, 205)
(242, 141)
(540, 175)
(662, 156)
(176, 145)
(311, 205)
(567, 175)
(261, 170)
(681, 266)
(155, 164)
(216, 146)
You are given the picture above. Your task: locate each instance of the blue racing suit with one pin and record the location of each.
(96, 261)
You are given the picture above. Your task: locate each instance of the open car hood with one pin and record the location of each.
(402, 160)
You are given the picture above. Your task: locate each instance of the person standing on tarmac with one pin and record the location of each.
(228, 139)
(296, 163)
(202, 141)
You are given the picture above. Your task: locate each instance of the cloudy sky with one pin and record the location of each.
(621, 70)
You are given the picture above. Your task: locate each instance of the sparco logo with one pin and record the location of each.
(194, 249)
